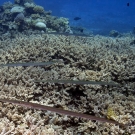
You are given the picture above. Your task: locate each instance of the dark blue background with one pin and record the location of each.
(101, 16)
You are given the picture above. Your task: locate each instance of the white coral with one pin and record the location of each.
(17, 9)
(40, 25)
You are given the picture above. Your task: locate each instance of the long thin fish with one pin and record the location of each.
(69, 34)
(28, 64)
(59, 111)
(78, 82)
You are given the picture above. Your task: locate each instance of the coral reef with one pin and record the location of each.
(114, 33)
(19, 18)
(32, 13)
(38, 9)
(17, 9)
(22, 2)
(40, 25)
(95, 58)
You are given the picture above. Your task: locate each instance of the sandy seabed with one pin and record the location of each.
(96, 58)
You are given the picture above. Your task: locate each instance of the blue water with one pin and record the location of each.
(100, 16)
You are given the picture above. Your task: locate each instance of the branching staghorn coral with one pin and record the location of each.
(4, 132)
(7, 128)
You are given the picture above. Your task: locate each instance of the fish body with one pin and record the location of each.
(80, 82)
(69, 34)
(77, 18)
(28, 64)
(59, 111)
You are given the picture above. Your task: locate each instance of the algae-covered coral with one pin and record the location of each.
(89, 58)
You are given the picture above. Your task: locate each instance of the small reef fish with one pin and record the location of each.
(78, 82)
(128, 4)
(28, 64)
(77, 18)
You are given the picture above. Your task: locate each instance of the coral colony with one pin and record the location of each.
(62, 84)
(27, 15)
